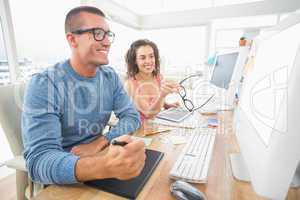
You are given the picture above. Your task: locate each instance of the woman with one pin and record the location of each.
(145, 84)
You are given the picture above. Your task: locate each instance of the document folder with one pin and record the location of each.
(130, 188)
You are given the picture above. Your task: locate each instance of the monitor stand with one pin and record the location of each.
(214, 107)
(296, 179)
(217, 104)
(240, 171)
(238, 167)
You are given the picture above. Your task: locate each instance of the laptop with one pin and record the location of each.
(174, 114)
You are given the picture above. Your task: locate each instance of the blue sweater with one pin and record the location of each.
(63, 109)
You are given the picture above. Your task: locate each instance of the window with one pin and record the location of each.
(39, 32)
(6, 153)
(181, 49)
(228, 39)
(124, 37)
(4, 71)
(227, 32)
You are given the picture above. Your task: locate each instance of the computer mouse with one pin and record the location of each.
(185, 191)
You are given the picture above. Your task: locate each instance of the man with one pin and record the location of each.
(67, 106)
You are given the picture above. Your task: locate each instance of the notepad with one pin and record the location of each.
(147, 141)
(177, 139)
(130, 188)
(212, 122)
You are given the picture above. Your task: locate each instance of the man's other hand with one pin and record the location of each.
(125, 162)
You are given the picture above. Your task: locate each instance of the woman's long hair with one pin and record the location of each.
(130, 57)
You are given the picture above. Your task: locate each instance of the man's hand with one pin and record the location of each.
(90, 149)
(122, 162)
(125, 162)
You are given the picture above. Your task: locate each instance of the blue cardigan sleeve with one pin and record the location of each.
(46, 160)
(129, 118)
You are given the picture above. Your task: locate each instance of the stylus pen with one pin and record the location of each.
(121, 143)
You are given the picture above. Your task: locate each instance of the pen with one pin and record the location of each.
(121, 143)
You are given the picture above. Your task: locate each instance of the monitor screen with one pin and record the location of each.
(223, 69)
(266, 85)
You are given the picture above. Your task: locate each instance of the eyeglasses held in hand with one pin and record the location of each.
(189, 105)
(98, 33)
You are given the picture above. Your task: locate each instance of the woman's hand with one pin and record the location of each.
(168, 87)
(172, 105)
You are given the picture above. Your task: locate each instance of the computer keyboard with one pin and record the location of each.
(193, 162)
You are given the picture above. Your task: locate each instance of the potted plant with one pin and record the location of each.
(242, 41)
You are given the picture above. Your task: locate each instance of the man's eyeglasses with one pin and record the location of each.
(98, 33)
(189, 105)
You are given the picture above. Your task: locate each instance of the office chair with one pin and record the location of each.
(11, 101)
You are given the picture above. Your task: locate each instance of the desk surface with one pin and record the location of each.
(220, 186)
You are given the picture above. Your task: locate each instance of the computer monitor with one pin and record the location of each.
(226, 75)
(223, 69)
(267, 118)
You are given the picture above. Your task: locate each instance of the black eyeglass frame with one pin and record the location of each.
(110, 34)
(185, 100)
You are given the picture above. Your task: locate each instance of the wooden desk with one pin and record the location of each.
(220, 186)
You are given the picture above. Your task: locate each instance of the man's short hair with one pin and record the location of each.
(73, 21)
